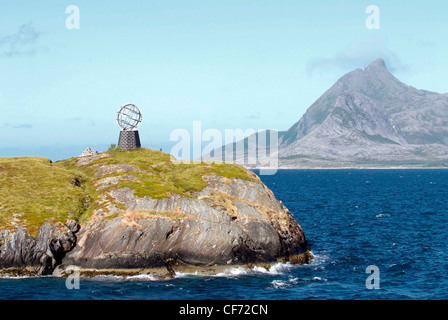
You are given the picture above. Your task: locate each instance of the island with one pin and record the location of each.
(137, 212)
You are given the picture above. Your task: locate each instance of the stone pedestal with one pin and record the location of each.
(129, 139)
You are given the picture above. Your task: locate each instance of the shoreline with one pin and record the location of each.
(158, 273)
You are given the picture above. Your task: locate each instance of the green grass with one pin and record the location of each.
(34, 190)
(163, 177)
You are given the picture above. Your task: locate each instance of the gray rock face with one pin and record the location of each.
(370, 117)
(367, 118)
(18, 249)
(229, 222)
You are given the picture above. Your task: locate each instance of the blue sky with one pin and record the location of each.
(230, 64)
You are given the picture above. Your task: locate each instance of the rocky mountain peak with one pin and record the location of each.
(377, 65)
(370, 117)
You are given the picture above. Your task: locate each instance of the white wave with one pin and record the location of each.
(276, 269)
(257, 269)
(278, 284)
(319, 279)
(117, 278)
(108, 278)
(15, 277)
(142, 277)
(381, 215)
(233, 272)
(318, 259)
(185, 274)
(280, 268)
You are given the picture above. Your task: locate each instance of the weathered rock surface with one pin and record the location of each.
(18, 249)
(229, 222)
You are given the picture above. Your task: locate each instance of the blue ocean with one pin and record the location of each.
(395, 220)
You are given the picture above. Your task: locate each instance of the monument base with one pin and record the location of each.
(129, 140)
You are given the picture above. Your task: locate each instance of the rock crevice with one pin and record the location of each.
(38, 255)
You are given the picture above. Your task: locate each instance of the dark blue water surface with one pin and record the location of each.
(396, 220)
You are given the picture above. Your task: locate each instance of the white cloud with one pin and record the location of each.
(358, 55)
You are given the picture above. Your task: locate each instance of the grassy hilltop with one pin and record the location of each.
(34, 190)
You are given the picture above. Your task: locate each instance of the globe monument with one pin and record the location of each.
(128, 118)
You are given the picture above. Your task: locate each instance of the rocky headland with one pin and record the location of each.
(135, 211)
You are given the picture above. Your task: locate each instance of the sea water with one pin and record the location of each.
(396, 220)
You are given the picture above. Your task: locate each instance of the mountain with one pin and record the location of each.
(369, 118)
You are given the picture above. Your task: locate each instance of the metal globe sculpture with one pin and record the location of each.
(128, 118)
